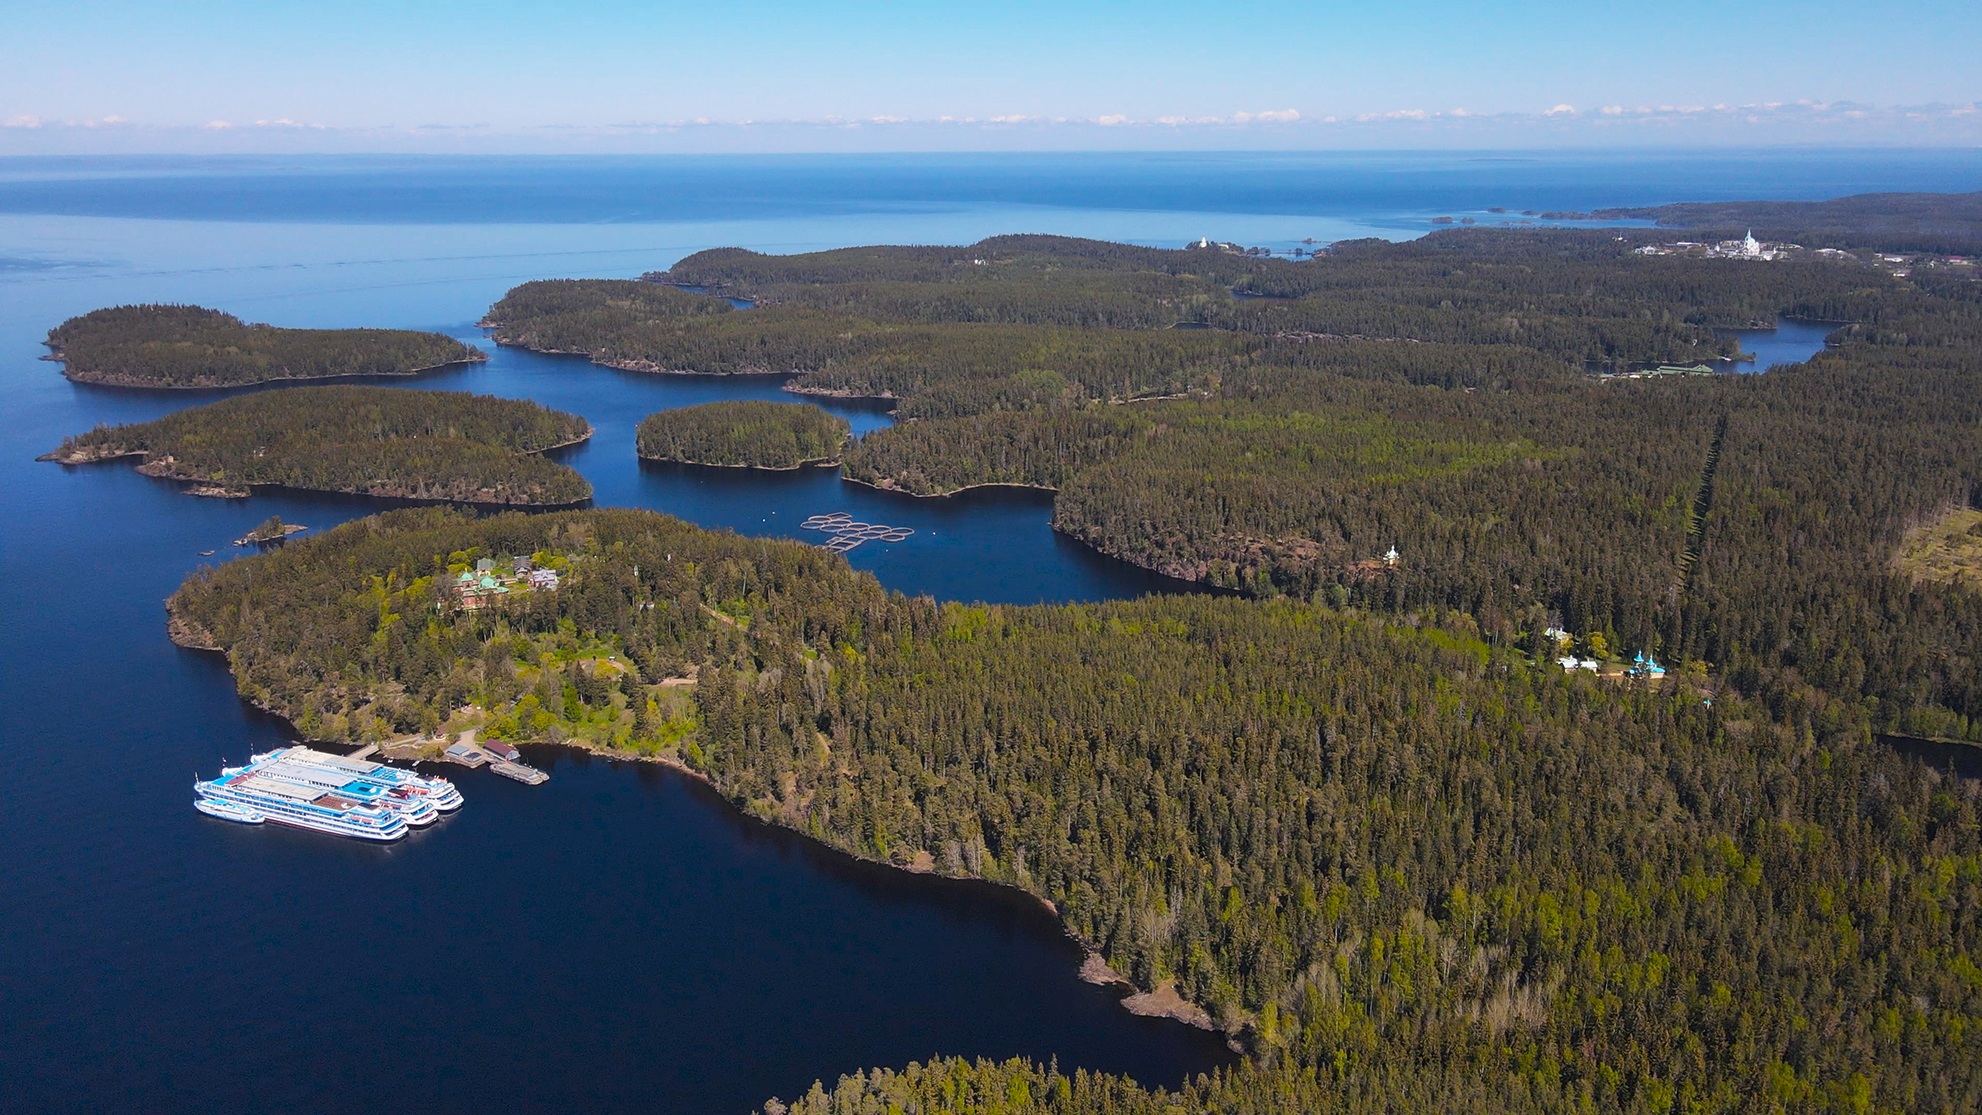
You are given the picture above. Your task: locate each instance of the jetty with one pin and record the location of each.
(847, 533)
(521, 772)
(506, 760)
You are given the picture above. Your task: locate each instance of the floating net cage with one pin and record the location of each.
(848, 533)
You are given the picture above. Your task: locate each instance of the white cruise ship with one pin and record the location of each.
(245, 796)
(421, 798)
(329, 793)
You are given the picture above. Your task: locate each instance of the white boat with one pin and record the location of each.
(416, 808)
(228, 810)
(304, 806)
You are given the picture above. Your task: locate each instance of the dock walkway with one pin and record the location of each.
(521, 772)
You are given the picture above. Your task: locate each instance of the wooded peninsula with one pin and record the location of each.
(190, 346)
(1404, 862)
(378, 441)
(751, 433)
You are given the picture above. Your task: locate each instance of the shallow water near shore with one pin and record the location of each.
(618, 939)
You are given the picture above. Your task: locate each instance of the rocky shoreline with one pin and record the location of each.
(884, 484)
(814, 462)
(103, 379)
(167, 468)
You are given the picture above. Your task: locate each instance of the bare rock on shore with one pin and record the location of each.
(1164, 1002)
(188, 634)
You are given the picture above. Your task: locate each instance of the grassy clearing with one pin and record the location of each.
(1948, 550)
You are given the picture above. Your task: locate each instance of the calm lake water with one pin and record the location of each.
(616, 939)
(1790, 342)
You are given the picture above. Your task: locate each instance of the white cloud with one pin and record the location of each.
(1280, 116)
(1787, 121)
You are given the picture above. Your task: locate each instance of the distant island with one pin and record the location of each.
(749, 433)
(377, 441)
(1941, 223)
(194, 347)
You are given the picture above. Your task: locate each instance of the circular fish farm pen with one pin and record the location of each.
(848, 533)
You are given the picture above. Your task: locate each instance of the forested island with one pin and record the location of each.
(191, 346)
(748, 433)
(1406, 863)
(377, 441)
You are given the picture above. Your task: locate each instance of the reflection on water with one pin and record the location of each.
(1964, 759)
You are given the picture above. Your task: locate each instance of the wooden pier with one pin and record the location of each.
(521, 772)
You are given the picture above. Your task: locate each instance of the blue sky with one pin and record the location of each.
(756, 75)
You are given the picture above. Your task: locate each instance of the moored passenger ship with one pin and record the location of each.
(402, 790)
(328, 793)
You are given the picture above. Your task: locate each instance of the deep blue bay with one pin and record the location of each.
(618, 939)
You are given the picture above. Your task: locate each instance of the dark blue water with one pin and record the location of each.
(1963, 759)
(615, 939)
(1790, 342)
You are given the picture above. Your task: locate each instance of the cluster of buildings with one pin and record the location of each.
(488, 582)
(1662, 371)
(1903, 265)
(1745, 248)
(1900, 266)
(1643, 666)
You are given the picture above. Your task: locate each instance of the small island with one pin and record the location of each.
(749, 433)
(377, 441)
(194, 347)
(273, 529)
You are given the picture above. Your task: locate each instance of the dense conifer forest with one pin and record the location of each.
(190, 346)
(378, 441)
(752, 433)
(617, 322)
(1433, 397)
(1404, 863)
(1356, 813)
